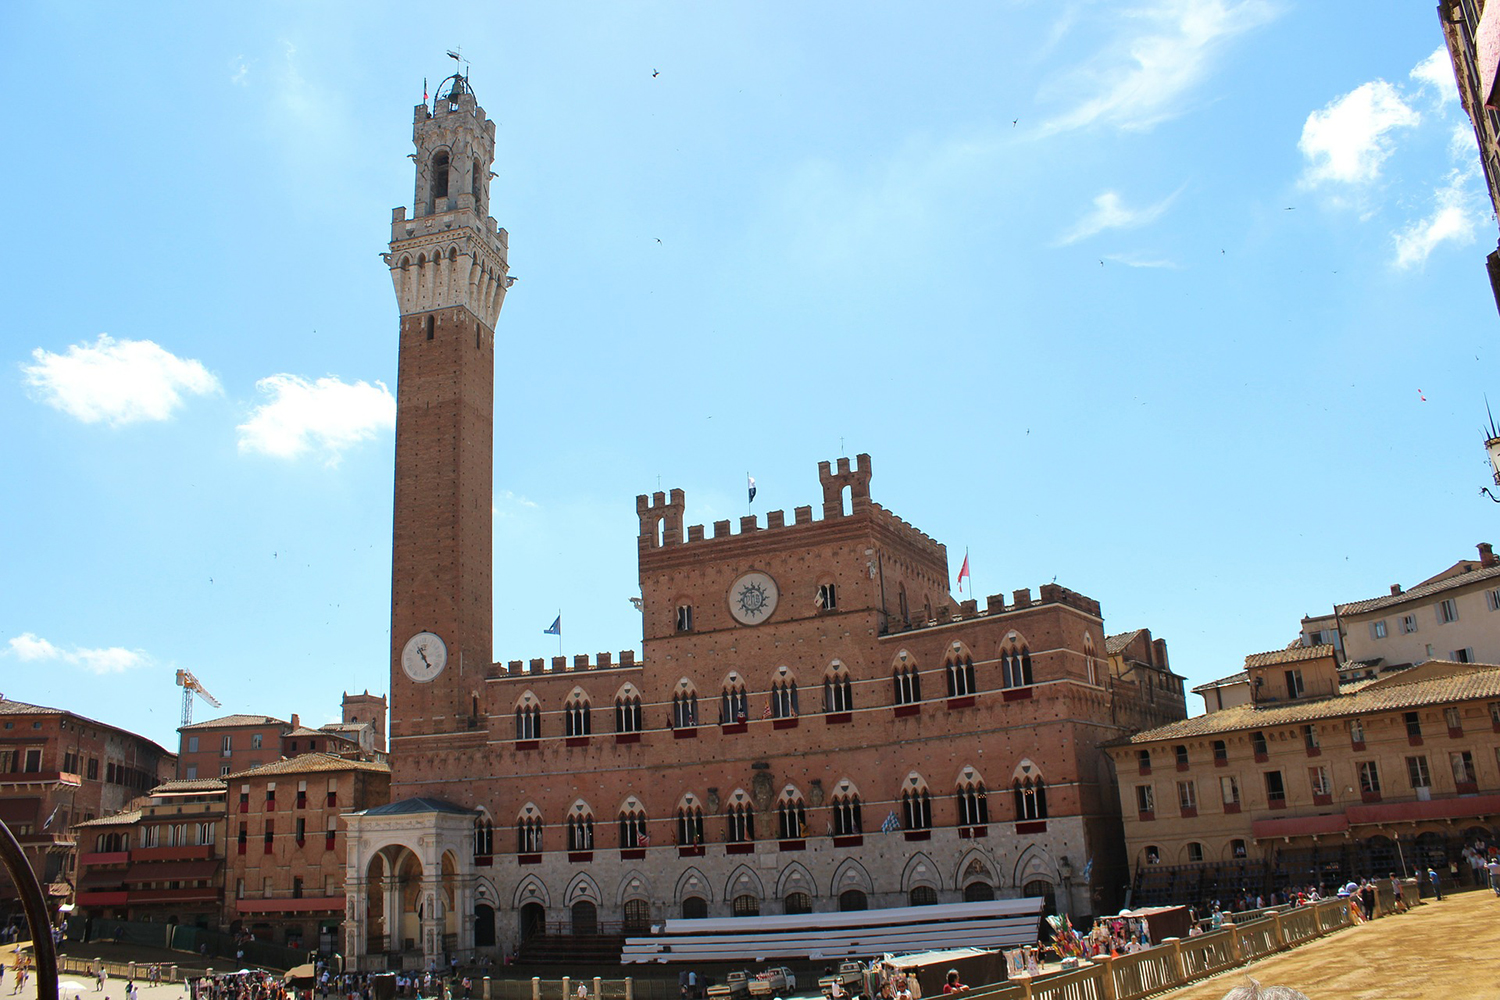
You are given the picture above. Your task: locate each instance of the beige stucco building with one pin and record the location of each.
(1453, 616)
(1313, 786)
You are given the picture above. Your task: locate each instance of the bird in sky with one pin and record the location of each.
(657, 238)
(655, 73)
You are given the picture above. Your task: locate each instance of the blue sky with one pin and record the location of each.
(1182, 303)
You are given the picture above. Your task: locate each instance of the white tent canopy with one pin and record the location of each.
(1000, 923)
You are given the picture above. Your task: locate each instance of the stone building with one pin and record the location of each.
(1313, 781)
(57, 769)
(815, 723)
(1472, 35)
(160, 860)
(284, 874)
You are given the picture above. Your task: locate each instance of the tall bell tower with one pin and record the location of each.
(448, 265)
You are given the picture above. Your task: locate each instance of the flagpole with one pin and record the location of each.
(559, 632)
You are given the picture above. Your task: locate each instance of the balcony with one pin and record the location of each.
(287, 904)
(96, 858)
(40, 778)
(196, 852)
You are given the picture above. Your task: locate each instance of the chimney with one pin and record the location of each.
(295, 721)
(1487, 556)
(1395, 589)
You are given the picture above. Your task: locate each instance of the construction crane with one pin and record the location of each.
(190, 686)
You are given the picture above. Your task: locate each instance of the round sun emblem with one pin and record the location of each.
(752, 598)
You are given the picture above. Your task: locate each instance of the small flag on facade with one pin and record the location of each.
(555, 628)
(752, 488)
(52, 817)
(767, 713)
(891, 824)
(1087, 868)
(964, 572)
(424, 90)
(641, 840)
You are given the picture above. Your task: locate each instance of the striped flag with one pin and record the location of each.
(641, 840)
(555, 628)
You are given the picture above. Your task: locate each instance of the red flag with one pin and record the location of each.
(964, 571)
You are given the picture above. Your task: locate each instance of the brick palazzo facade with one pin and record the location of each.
(58, 769)
(814, 725)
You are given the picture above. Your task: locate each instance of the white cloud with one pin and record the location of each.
(1144, 79)
(30, 647)
(328, 415)
(1112, 213)
(1349, 138)
(1454, 218)
(118, 382)
(1137, 260)
(241, 71)
(1436, 71)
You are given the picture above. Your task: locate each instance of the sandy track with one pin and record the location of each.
(1437, 951)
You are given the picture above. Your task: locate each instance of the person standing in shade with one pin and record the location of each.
(1437, 889)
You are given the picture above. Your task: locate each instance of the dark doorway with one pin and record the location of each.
(484, 926)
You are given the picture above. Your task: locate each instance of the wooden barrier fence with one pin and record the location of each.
(1180, 961)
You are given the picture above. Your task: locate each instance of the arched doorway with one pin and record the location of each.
(978, 892)
(1041, 889)
(585, 918)
(533, 921)
(694, 908)
(853, 899)
(484, 926)
(637, 916)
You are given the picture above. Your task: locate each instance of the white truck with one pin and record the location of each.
(734, 987)
(773, 982)
(850, 979)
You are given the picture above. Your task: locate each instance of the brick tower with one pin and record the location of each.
(448, 265)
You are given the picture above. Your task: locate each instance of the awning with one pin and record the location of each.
(172, 871)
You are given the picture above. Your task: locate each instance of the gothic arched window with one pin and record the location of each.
(439, 177)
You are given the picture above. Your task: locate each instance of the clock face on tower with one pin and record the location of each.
(424, 657)
(752, 598)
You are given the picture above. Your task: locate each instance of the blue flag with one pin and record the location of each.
(555, 628)
(891, 824)
(752, 489)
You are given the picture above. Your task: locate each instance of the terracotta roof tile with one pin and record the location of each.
(1419, 592)
(1460, 682)
(235, 720)
(190, 785)
(1292, 654)
(311, 762)
(128, 816)
(1240, 678)
(1115, 644)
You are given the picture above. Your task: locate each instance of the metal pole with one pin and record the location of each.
(30, 892)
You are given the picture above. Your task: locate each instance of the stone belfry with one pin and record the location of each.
(448, 265)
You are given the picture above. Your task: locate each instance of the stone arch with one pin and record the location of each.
(627, 690)
(485, 890)
(1035, 863)
(582, 886)
(742, 881)
(850, 875)
(920, 870)
(531, 890)
(633, 885)
(974, 867)
(795, 878)
(692, 882)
